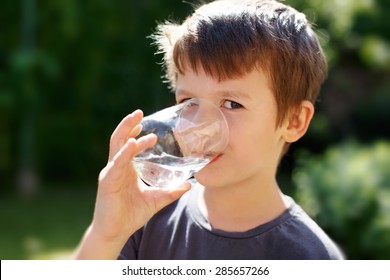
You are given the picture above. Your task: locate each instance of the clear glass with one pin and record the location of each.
(190, 135)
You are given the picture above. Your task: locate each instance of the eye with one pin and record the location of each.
(182, 100)
(228, 104)
(179, 101)
(190, 103)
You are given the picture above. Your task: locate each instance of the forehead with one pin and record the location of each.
(200, 84)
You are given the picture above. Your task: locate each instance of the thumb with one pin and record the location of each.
(167, 196)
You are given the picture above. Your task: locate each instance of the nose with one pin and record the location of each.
(200, 140)
(202, 129)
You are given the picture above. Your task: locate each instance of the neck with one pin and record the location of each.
(243, 206)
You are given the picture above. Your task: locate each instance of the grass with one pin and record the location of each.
(46, 226)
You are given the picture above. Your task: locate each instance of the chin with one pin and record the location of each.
(208, 178)
(214, 174)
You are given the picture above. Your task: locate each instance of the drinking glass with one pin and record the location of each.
(190, 135)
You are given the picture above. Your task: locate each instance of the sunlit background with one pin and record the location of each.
(71, 70)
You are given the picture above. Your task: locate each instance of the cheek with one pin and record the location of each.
(252, 138)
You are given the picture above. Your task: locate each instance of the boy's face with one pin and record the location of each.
(255, 142)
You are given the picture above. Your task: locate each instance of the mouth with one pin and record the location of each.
(215, 158)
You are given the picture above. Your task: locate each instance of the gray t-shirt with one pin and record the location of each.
(180, 231)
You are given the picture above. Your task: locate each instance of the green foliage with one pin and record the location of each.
(49, 226)
(353, 100)
(69, 72)
(347, 191)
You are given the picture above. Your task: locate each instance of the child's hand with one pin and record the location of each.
(124, 203)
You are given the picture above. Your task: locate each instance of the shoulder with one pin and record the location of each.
(305, 238)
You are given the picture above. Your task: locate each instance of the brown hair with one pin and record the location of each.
(229, 38)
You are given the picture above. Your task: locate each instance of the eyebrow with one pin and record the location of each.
(224, 93)
(236, 94)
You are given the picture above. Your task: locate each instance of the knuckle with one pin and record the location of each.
(103, 173)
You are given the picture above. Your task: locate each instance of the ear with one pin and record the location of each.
(298, 122)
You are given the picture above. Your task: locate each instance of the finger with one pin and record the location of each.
(135, 132)
(120, 166)
(132, 148)
(128, 127)
(164, 197)
(122, 160)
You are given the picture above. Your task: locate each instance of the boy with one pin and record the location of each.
(261, 63)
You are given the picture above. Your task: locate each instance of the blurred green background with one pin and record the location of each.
(71, 70)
